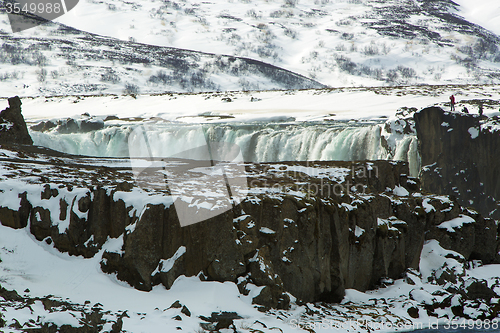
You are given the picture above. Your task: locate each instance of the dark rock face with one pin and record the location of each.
(475, 241)
(311, 245)
(478, 289)
(460, 158)
(69, 125)
(313, 251)
(12, 125)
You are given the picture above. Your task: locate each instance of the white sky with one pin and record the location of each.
(486, 13)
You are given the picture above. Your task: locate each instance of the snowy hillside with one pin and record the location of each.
(54, 59)
(334, 42)
(484, 13)
(337, 42)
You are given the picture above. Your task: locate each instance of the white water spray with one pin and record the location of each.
(259, 142)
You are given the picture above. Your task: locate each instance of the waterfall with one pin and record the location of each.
(259, 142)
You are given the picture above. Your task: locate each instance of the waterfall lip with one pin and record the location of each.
(227, 183)
(164, 124)
(264, 141)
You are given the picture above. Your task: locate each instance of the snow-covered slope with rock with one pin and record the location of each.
(54, 59)
(334, 42)
(73, 229)
(337, 42)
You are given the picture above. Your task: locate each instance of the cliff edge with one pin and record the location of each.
(460, 157)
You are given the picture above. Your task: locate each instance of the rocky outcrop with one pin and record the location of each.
(93, 318)
(13, 128)
(459, 155)
(311, 230)
(70, 125)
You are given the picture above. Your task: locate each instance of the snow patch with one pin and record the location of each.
(456, 223)
(266, 230)
(401, 191)
(165, 265)
(474, 132)
(358, 232)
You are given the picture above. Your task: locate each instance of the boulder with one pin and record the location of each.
(478, 289)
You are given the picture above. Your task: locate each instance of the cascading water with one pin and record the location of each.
(259, 142)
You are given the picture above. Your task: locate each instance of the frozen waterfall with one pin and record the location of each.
(259, 142)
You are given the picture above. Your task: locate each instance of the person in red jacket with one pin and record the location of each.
(452, 102)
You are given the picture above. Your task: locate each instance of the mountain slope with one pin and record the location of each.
(484, 13)
(337, 42)
(54, 59)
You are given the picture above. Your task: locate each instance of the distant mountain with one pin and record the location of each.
(336, 42)
(55, 59)
(295, 44)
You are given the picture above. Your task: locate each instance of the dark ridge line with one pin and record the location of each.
(225, 92)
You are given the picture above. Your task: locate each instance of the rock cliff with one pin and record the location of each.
(306, 229)
(12, 125)
(459, 155)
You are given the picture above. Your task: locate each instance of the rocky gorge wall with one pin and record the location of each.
(460, 157)
(310, 245)
(307, 229)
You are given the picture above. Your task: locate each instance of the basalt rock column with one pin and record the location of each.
(12, 125)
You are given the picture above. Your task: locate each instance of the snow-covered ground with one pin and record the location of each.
(301, 105)
(38, 271)
(29, 264)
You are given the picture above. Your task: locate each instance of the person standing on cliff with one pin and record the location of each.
(452, 102)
